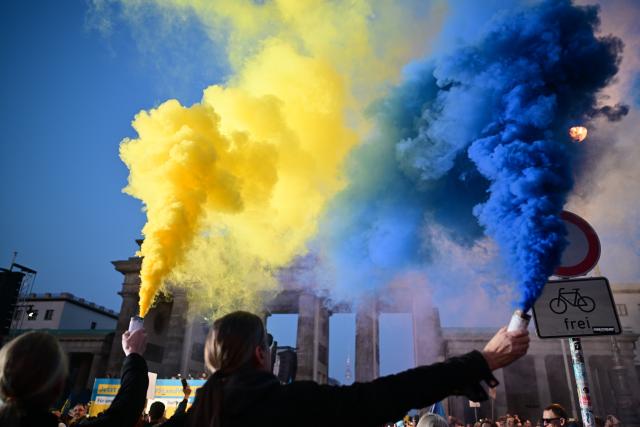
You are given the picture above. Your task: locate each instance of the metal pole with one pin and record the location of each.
(13, 260)
(569, 382)
(580, 373)
(493, 412)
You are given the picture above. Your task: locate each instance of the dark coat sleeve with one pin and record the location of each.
(179, 418)
(126, 408)
(389, 398)
(182, 407)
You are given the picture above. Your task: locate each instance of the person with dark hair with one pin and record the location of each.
(611, 421)
(486, 422)
(77, 413)
(33, 370)
(156, 414)
(242, 391)
(554, 415)
(455, 422)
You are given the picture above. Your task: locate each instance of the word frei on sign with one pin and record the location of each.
(571, 325)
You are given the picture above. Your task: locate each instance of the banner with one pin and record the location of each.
(170, 393)
(104, 391)
(167, 391)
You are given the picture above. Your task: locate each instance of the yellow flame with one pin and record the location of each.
(233, 186)
(578, 133)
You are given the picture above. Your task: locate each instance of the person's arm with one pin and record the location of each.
(126, 408)
(182, 406)
(391, 397)
(179, 417)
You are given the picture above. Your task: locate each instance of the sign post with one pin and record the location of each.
(574, 308)
(580, 372)
(577, 308)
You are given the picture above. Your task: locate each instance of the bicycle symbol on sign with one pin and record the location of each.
(571, 298)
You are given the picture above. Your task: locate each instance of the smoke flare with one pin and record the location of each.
(489, 118)
(233, 186)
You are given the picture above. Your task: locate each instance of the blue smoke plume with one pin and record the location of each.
(489, 119)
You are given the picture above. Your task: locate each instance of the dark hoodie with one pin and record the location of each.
(254, 397)
(126, 408)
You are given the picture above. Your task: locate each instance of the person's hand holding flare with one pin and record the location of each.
(505, 348)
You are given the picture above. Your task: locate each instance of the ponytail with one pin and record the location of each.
(230, 346)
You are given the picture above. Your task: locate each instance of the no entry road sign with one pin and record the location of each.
(576, 308)
(583, 247)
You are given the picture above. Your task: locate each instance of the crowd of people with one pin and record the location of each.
(241, 389)
(553, 415)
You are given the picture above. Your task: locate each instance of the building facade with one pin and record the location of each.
(85, 331)
(175, 341)
(627, 298)
(61, 311)
(545, 376)
(542, 377)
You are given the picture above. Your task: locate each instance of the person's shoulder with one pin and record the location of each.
(10, 416)
(178, 420)
(300, 390)
(300, 385)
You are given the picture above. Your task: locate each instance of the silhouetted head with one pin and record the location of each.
(33, 369)
(236, 341)
(156, 411)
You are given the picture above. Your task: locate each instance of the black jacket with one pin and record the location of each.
(257, 398)
(126, 408)
(15, 416)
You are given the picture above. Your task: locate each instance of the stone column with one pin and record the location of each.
(94, 371)
(322, 339)
(172, 356)
(427, 333)
(626, 408)
(99, 361)
(501, 406)
(312, 339)
(367, 342)
(186, 348)
(131, 270)
(544, 395)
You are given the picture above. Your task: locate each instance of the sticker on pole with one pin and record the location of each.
(576, 308)
(583, 247)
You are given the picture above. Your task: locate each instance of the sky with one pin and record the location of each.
(71, 82)
(69, 94)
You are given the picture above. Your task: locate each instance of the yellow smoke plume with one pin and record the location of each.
(233, 186)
